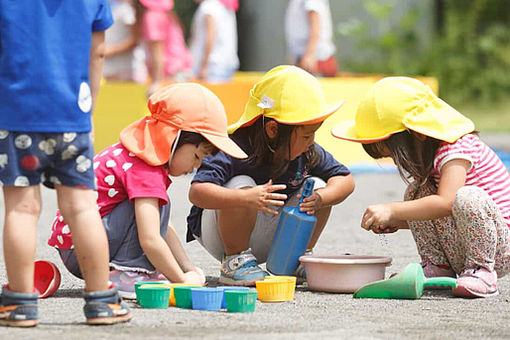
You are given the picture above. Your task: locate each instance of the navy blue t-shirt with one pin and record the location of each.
(220, 168)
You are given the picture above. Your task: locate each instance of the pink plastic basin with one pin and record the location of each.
(343, 273)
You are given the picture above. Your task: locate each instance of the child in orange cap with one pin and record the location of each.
(188, 122)
(237, 202)
(457, 204)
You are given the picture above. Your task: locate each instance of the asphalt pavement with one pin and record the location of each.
(311, 315)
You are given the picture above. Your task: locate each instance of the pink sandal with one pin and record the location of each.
(477, 282)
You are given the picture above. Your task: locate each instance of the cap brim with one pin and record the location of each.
(347, 130)
(232, 128)
(226, 145)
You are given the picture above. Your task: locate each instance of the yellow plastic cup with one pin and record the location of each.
(272, 290)
(290, 284)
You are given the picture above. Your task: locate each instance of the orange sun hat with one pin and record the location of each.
(184, 106)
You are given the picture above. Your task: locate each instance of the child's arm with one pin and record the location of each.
(155, 247)
(212, 196)
(124, 46)
(210, 38)
(336, 190)
(453, 177)
(97, 51)
(308, 61)
(172, 240)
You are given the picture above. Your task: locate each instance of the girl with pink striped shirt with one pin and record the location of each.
(457, 204)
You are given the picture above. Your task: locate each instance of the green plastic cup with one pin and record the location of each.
(140, 283)
(154, 296)
(241, 301)
(183, 297)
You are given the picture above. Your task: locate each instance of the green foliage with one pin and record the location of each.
(469, 53)
(393, 49)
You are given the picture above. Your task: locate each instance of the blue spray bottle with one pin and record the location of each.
(291, 237)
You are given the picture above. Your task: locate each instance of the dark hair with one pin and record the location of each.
(187, 137)
(413, 158)
(265, 149)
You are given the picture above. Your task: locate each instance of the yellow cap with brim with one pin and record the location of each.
(395, 104)
(288, 95)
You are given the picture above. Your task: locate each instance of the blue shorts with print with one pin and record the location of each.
(29, 158)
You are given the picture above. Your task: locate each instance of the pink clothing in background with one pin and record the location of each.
(120, 176)
(233, 5)
(162, 25)
(158, 5)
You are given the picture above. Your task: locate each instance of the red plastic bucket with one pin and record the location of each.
(46, 278)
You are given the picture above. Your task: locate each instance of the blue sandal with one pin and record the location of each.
(105, 308)
(18, 309)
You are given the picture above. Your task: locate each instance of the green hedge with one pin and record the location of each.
(469, 50)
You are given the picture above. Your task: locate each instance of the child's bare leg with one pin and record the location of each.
(22, 210)
(78, 207)
(322, 218)
(235, 227)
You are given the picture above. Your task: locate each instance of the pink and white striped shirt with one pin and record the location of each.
(486, 172)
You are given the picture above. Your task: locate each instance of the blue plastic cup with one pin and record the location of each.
(206, 298)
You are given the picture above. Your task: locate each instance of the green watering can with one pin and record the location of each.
(407, 285)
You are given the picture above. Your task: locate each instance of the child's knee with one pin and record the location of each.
(73, 207)
(30, 206)
(467, 198)
(241, 181)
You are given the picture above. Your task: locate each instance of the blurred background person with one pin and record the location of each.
(124, 61)
(309, 36)
(169, 59)
(213, 42)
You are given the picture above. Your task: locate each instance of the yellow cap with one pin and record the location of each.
(395, 104)
(289, 95)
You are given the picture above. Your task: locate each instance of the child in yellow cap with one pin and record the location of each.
(187, 123)
(237, 202)
(457, 204)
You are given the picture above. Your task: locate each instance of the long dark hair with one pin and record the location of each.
(413, 158)
(276, 151)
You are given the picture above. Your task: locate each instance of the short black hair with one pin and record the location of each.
(196, 139)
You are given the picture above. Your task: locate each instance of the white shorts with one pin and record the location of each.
(265, 226)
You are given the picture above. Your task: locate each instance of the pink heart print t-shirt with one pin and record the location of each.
(120, 175)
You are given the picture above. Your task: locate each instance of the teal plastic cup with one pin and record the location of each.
(183, 297)
(154, 296)
(139, 283)
(241, 301)
(228, 289)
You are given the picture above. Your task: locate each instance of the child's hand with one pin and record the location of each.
(379, 215)
(380, 229)
(193, 277)
(309, 63)
(199, 271)
(263, 196)
(203, 73)
(311, 203)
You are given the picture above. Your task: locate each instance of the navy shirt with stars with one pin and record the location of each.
(220, 168)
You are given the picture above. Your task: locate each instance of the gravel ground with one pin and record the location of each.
(311, 315)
